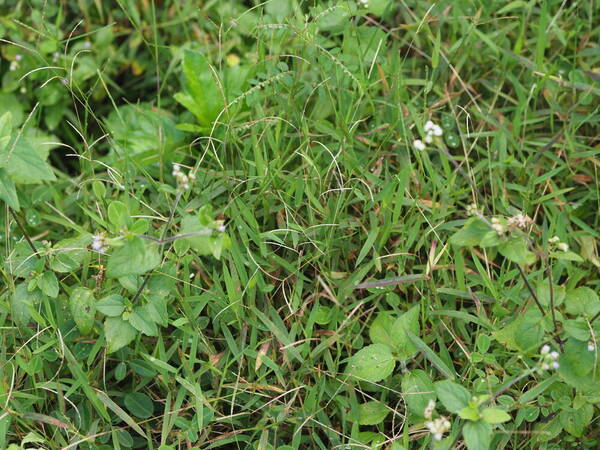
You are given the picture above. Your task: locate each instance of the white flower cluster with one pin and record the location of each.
(548, 358)
(183, 180)
(497, 226)
(438, 426)
(364, 3)
(14, 65)
(99, 243)
(562, 246)
(431, 130)
(520, 221)
(472, 210)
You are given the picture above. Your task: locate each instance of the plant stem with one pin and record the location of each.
(162, 245)
(14, 215)
(539, 305)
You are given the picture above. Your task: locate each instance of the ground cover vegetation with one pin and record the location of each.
(299, 224)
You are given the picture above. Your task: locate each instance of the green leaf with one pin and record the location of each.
(118, 215)
(136, 257)
(453, 396)
(140, 320)
(372, 413)
(469, 413)
(139, 404)
(8, 192)
(5, 129)
(83, 309)
(22, 301)
(279, 9)
(119, 412)
(204, 97)
(400, 340)
(582, 301)
(566, 256)
(112, 305)
(576, 364)
(381, 329)
(24, 163)
(417, 391)
(372, 363)
(118, 333)
(379, 7)
(515, 249)
(578, 328)
(471, 234)
(495, 415)
(478, 435)
(543, 293)
(48, 284)
(207, 239)
(575, 421)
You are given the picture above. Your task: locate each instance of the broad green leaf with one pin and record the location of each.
(48, 283)
(543, 293)
(417, 391)
(577, 328)
(118, 333)
(471, 234)
(21, 261)
(68, 254)
(141, 321)
(372, 413)
(22, 301)
(528, 335)
(515, 249)
(582, 301)
(112, 305)
(495, 415)
(469, 413)
(83, 308)
(567, 256)
(372, 363)
(453, 396)
(400, 341)
(203, 89)
(206, 240)
(118, 215)
(379, 7)
(23, 163)
(380, 329)
(136, 257)
(576, 421)
(478, 435)
(577, 364)
(279, 9)
(8, 192)
(139, 404)
(5, 129)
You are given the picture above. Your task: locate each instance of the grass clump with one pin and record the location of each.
(299, 224)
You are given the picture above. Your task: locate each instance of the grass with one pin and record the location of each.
(310, 164)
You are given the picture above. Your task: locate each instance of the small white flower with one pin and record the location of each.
(545, 366)
(428, 138)
(418, 144)
(13, 66)
(364, 3)
(545, 349)
(555, 365)
(563, 246)
(498, 228)
(221, 228)
(554, 240)
(438, 427)
(428, 412)
(591, 346)
(519, 220)
(87, 44)
(437, 130)
(429, 126)
(18, 57)
(554, 355)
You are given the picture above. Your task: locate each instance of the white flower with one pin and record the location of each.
(221, 228)
(591, 346)
(98, 243)
(428, 412)
(18, 57)
(556, 365)
(429, 126)
(563, 246)
(437, 130)
(554, 240)
(87, 44)
(554, 355)
(545, 350)
(429, 139)
(519, 220)
(438, 427)
(364, 3)
(498, 228)
(418, 144)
